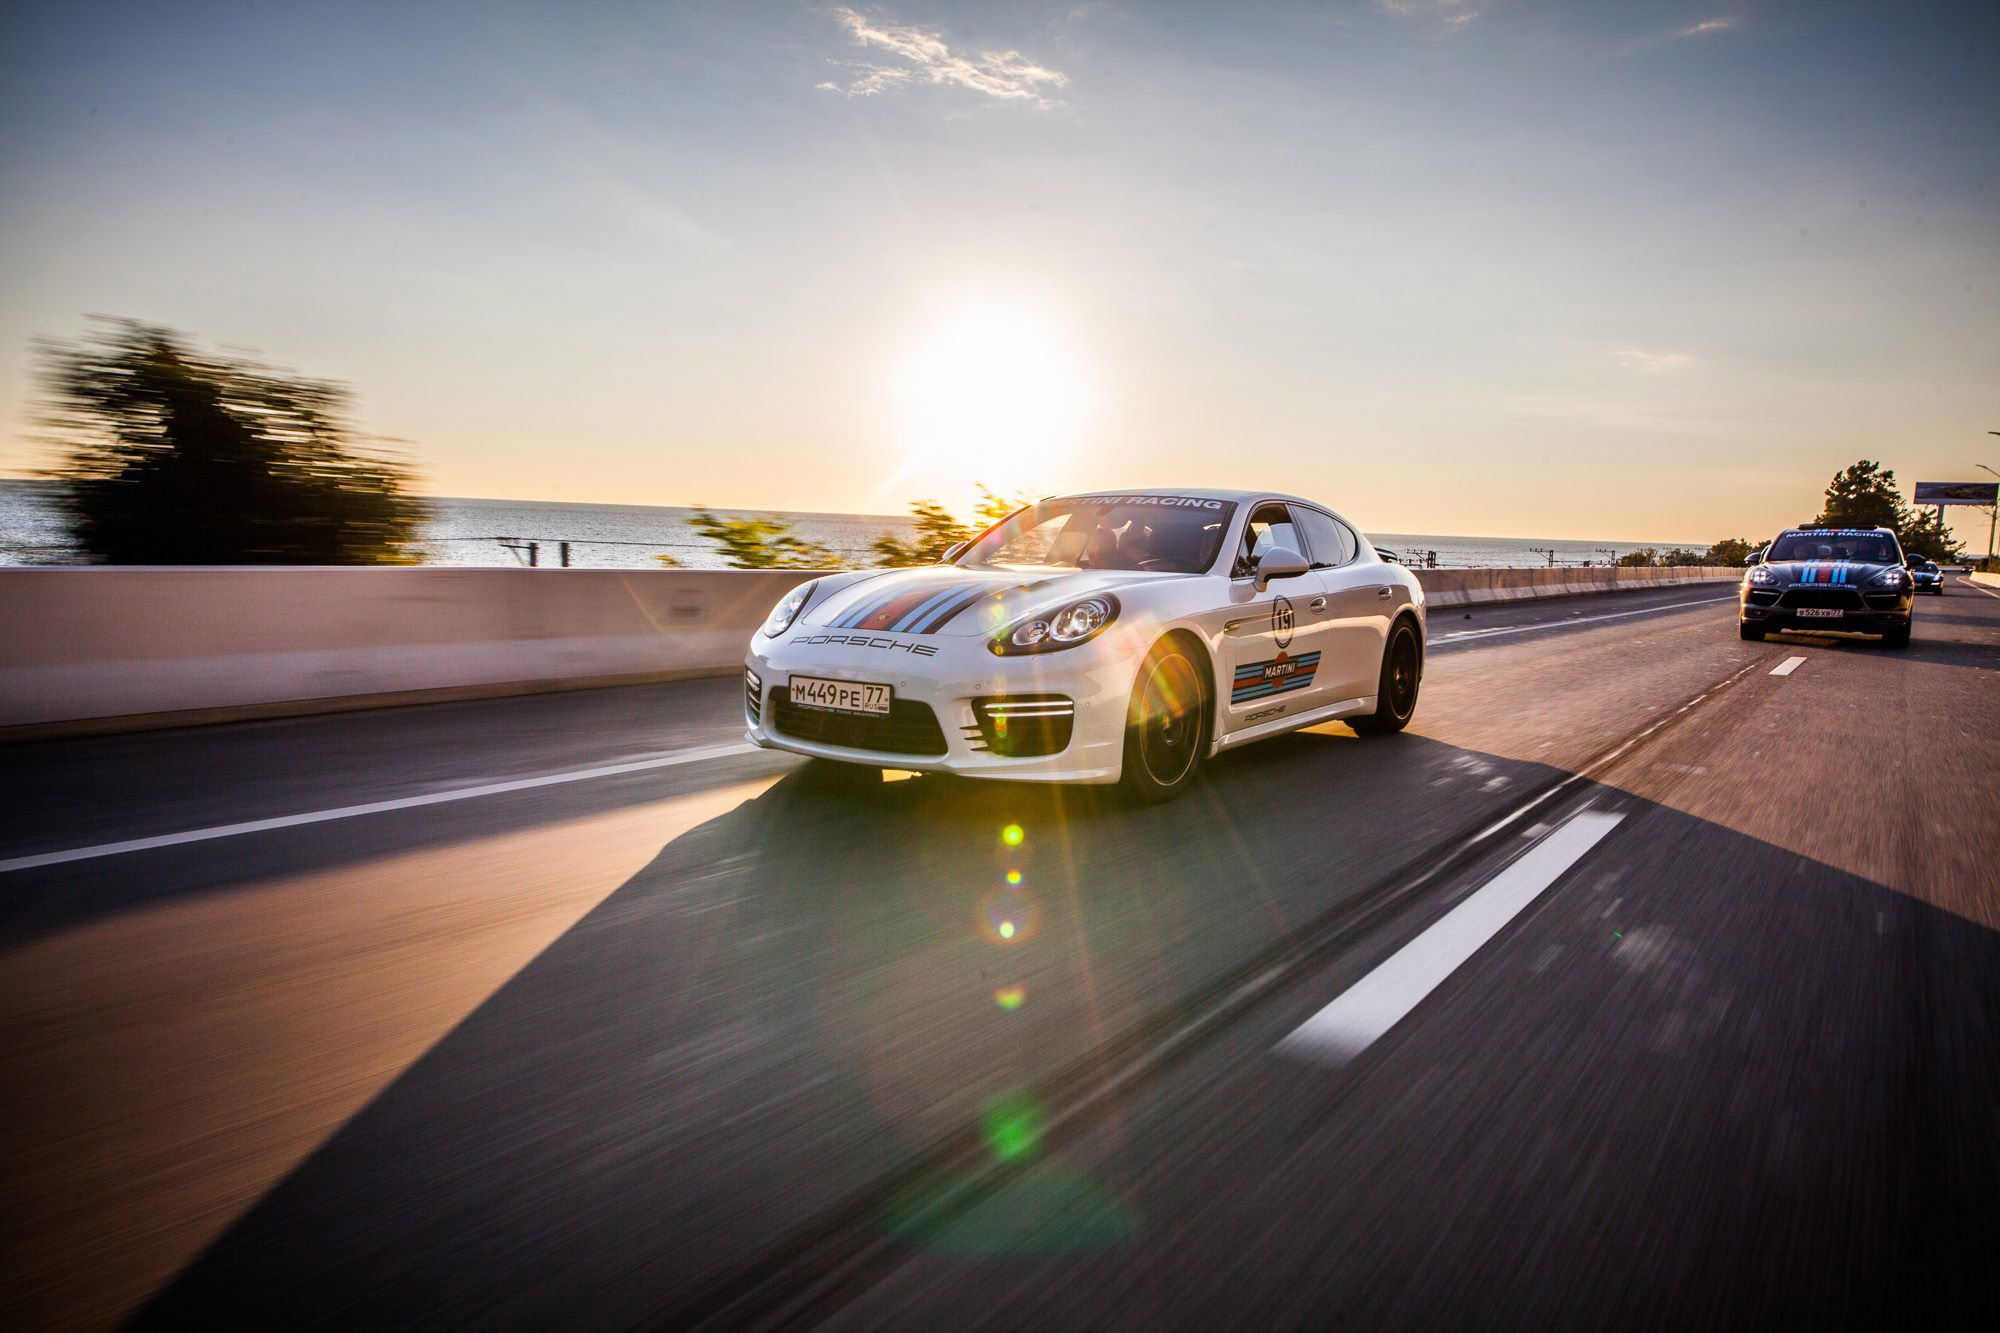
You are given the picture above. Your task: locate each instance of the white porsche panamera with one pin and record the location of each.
(1096, 638)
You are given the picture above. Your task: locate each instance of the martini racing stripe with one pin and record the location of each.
(870, 605)
(935, 619)
(929, 606)
(898, 608)
(1280, 675)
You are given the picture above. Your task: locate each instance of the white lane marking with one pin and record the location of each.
(1979, 588)
(372, 807)
(1580, 620)
(1380, 1000)
(1788, 666)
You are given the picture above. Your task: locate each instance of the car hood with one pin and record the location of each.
(1826, 573)
(955, 601)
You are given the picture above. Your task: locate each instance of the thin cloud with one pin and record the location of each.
(1706, 25)
(1452, 13)
(1652, 363)
(929, 60)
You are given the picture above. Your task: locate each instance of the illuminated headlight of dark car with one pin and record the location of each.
(1078, 622)
(1763, 576)
(787, 610)
(1890, 578)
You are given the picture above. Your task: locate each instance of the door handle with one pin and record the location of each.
(1384, 594)
(1317, 604)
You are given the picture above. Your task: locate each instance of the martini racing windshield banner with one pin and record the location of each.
(1166, 501)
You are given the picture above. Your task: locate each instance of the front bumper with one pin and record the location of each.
(1861, 611)
(1096, 677)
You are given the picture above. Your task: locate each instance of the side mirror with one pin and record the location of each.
(1280, 562)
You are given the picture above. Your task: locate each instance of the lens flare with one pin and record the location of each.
(1010, 997)
(1012, 1125)
(1012, 835)
(1013, 877)
(1008, 916)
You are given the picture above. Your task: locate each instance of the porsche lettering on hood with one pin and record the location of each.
(946, 600)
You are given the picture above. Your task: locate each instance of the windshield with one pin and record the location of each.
(1168, 534)
(1869, 548)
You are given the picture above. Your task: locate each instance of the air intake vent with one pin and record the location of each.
(1024, 726)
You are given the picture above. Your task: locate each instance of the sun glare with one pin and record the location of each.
(995, 386)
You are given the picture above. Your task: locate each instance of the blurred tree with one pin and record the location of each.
(171, 456)
(1639, 559)
(761, 543)
(937, 531)
(992, 507)
(1734, 551)
(1680, 558)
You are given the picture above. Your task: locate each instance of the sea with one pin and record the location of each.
(469, 532)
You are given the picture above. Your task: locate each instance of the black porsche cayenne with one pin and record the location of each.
(1848, 579)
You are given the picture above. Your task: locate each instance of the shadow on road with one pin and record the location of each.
(804, 994)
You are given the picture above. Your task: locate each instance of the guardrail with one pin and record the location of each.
(103, 648)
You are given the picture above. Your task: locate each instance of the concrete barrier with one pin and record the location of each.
(1472, 587)
(97, 648)
(103, 648)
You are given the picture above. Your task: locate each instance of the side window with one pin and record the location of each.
(1332, 544)
(1270, 526)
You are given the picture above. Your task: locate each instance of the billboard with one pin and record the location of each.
(1957, 492)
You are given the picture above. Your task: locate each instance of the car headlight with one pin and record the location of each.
(1890, 578)
(1763, 575)
(787, 610)
(1070, 625)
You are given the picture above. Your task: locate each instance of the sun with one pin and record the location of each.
(995, 389)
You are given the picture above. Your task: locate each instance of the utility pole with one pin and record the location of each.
(1610, 554)
(1992, 514)
(1547, 551)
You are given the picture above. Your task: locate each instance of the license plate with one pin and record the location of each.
(841, 696)
(1820, 612)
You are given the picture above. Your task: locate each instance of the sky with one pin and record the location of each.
(1628, 271)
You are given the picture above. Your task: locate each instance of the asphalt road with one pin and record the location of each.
(1645, 980)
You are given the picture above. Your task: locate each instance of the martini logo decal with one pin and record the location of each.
(1281, 675)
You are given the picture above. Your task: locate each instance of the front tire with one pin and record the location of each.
(1898, 637)
(1746, 630)
(1396, 690)
(1165, 725)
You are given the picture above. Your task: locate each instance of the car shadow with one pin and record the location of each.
(794, 1001)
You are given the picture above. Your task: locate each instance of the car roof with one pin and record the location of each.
(1195, 492)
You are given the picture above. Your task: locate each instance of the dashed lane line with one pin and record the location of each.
(1788, 666)
(1383, 998)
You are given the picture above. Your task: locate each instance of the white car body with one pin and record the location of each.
(1306, 649)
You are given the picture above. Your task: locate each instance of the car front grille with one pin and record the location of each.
(1023, 726)
(1844, 599)
(907, 728)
